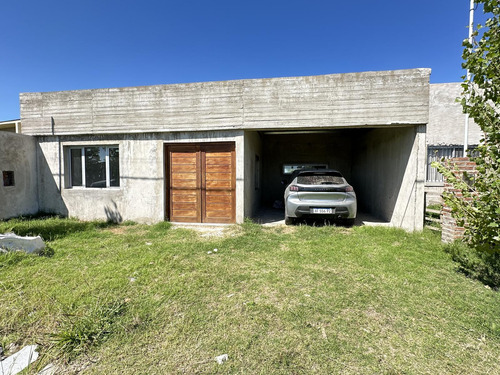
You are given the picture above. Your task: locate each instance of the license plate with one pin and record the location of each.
(322, 210)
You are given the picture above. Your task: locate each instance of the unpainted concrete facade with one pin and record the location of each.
(141, 195)
(370, 125)
(18, 157)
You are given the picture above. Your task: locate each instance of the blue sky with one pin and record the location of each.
(54, 45)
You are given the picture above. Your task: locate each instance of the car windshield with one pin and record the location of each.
(320, 179)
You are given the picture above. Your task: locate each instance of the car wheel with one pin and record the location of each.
(289, 220)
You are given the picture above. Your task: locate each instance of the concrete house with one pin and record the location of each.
(216, 152)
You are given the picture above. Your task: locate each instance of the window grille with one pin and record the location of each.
(437, 153)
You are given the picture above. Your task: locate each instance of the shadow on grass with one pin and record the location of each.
(49, 227)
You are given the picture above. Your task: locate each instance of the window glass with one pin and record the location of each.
(76, 166)
(290, 168)
(320, 179)
(114, 166)
(95, 167)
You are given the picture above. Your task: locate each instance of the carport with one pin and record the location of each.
(380, 162)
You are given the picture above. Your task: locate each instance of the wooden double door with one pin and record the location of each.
(201, 182)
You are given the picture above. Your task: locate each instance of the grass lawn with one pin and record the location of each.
(137, 299)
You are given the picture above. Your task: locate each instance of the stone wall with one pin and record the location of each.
(450, 230)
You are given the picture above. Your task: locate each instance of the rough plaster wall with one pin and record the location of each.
(332, 148)
(334, 100)
(389, 175)
(253, 147)
(446, 120)
(141, 195)
(18, 154)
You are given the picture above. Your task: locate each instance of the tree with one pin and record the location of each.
(477, 206)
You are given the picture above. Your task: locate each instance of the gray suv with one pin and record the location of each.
(319, 193)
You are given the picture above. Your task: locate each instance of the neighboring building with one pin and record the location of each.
(217, 151)
(13, 126)
(446, 133)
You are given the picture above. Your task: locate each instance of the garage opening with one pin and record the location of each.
(200, 183)
(377, 162)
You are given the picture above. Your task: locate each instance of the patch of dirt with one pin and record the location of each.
(209, 231)
(118, 230)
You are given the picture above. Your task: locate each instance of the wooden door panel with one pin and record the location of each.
(184, 154)
(219, 160)
(183, 168)
(218, 168)
(201, 183)
(218, 207)
(185, 206)
(184, 184)
(184, 176)
(219, 198)
(219, 176)
(185, 197)
(219, 183)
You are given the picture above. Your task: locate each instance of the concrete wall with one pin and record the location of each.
(253, 173)
(335, 100)
(18, 154)
(446, 119)
(141, 195)
(388, 175)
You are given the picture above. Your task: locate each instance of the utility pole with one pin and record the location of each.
(471, 29)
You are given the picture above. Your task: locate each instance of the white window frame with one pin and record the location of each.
(108, 170)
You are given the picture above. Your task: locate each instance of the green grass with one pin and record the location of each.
(283, 300)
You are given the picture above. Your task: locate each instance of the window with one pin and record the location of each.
(290, 168)
(94, 166)
(320, 178)
(436, 153)
(8, 178)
